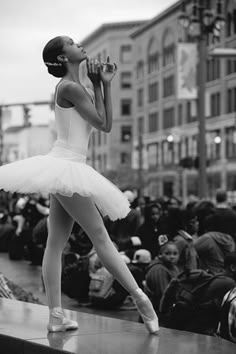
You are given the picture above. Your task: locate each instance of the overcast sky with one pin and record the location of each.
(27, 25)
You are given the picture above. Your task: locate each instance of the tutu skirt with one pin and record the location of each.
(64, 171)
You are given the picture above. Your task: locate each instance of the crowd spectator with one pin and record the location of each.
(139, 265)
(161, 271)
(186, 229)
(213, 246)
(151, 228)
(225, 214)
(158, 239)
(34, 210)
(203, 209)
(7, 230)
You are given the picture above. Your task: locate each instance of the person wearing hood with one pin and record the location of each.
(213, 246)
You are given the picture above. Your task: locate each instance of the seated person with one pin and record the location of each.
(161, 271)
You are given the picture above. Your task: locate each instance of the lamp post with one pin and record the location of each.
(199, 24)
(140, 157)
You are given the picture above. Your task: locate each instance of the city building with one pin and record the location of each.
(111, 153)
(21, 142)
(165, 130)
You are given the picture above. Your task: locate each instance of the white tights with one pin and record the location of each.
(63, 212)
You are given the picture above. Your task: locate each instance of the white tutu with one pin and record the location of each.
(65, 172)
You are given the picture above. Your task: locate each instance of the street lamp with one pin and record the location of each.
(199, 24)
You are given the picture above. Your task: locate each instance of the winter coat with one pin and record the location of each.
(158, 277)
(212, 248)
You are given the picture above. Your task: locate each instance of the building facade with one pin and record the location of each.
(21, 142)
(111, 153)
(165, 128)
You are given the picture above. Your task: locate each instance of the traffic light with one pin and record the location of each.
(187, 162)
(196, 162)
(27, 115)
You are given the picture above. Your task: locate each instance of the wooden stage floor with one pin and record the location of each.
(23, 331)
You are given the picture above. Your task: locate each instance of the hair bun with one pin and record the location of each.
(162, 240)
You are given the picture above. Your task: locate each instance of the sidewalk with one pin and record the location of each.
(28, 277)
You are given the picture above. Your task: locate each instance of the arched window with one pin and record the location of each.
(153, 56)
(168, 44)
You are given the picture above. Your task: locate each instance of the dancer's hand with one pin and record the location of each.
(108, 71)
(94, 69)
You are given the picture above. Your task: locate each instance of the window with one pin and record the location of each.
(140, 97)
(99, 138)
(228, 25)
(230, 134)
(190, 116)
(104, 162)
(213, 69)
(140, 126)
(152, 55)
(168, 118)
(126, 107)
(234, 20)
(231, 67)
(153, 92)
(126, 133)
(104, 138)
(231, 100)
(153, 62)
(93, 139)
(140, 69)
(125, 80)
(215, 104)
(124, 158)
(212, 148)
(153, 122)
(168, 86)
(125, 53)
(98, 163)
(152, 152)
(167, 153)
(169, 55)
(180, 114)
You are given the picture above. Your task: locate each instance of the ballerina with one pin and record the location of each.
(77, 192)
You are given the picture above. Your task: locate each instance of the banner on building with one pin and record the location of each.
(187, 71)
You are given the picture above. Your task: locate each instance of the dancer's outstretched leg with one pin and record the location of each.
(59, 230)
(85, 213)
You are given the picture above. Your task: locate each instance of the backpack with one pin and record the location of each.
(101, 286)
(75, 276)
(183, 305)
(227, 323)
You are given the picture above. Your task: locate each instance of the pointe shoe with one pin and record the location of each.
(58, 322)
(146, 311)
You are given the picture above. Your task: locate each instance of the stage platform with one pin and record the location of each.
(23, 331)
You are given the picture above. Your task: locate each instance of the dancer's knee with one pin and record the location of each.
(55, 245)
(98, 234)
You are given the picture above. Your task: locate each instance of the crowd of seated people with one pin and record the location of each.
(160, 239)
